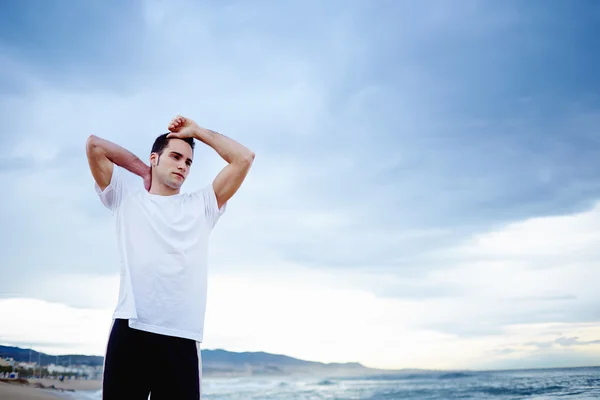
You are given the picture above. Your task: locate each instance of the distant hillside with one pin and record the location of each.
(259, 363)
(214, 362)
(27, 355)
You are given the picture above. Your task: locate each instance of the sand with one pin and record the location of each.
(74, 384)
(17, 391)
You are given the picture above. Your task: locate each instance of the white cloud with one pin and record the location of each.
(76, 290)
(549, 256)
(299, 100)
(498, 292)
(496, 316)
(54, 327)
(543, 269)
(544, 237)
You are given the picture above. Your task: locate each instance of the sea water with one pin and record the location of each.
(568, 383)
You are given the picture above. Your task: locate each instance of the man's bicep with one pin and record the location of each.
(100, 166)
(208, 204)
(228, 181)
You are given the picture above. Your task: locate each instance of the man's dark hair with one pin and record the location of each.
(162, 141)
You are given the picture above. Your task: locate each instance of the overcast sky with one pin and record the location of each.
(425, 192)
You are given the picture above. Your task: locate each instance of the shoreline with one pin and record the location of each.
(45, 389)
(70, 385)
(21, 391)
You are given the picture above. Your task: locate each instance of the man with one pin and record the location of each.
(162, 235)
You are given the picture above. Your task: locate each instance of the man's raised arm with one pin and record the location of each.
(238, 157)
(102, 154)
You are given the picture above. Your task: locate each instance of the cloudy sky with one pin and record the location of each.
(426, 189)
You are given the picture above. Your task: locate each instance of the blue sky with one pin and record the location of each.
(435, 161)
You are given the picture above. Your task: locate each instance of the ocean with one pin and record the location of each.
(567, 383)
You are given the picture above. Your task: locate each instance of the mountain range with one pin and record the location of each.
(214, 362)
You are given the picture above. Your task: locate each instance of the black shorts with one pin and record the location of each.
(140, 363)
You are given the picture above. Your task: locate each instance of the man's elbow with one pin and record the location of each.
(246, 159)
(92, 145)
(249, 157)
(91, 142)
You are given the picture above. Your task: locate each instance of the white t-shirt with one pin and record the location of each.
(163, 243)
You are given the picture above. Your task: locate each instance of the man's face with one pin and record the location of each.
(173, 165)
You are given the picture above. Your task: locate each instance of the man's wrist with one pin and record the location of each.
(201, 134)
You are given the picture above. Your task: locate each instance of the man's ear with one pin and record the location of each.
(153, 160)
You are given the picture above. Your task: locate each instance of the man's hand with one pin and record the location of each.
(148, 179)
(182, 128)
(238, 157)
(102, 154)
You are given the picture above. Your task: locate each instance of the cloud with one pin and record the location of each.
(552, 347)
(563, 342)
(574, 341)
(539, 270)
(481, 314)
(311, 315)
(422, 159)
(54, 327)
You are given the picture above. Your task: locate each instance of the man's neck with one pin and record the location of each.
(161, 189)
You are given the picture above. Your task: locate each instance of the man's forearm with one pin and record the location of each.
(229, 149)
(120, 156)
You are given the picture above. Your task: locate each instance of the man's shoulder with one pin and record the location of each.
(129, 181)
(197, 194)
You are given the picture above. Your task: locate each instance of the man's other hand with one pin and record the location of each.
(182, 128)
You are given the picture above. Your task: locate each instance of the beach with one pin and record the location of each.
(16, 391)
(70, 384)
(31, 391)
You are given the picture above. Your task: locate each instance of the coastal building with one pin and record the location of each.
(7, 362)
(27, 365)
(59, 368)
(83, 371)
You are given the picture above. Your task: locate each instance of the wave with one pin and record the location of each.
(326, 382)
(417, 376)
(524, 391)
(455, 375)
(83, 395)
